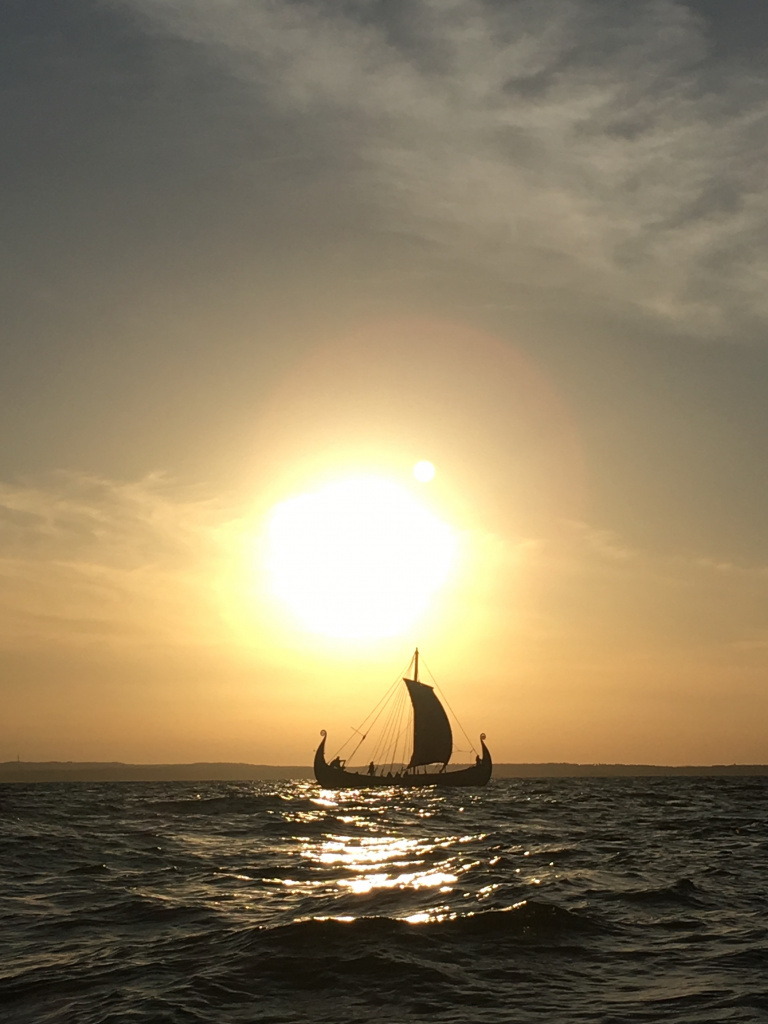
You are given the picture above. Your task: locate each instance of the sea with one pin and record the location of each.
(565, 900)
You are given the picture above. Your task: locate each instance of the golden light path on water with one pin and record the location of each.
(367, 860)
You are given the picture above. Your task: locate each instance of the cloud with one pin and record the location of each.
(580, 145)
(88, 560)
(590, 588)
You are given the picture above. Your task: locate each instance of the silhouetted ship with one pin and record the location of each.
(432, 749)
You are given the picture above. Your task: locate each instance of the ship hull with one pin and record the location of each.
(331, 777)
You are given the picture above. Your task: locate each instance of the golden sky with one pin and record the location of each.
(265, 259)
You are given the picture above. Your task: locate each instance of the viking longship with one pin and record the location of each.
(432, 747)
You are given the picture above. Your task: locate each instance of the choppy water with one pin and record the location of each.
(595, 900)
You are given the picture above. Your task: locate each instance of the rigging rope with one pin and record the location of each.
(393, 741)
(472, 747)
(370, 720)
(383, 754)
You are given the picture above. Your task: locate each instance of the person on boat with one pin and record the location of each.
(371, 768)
(336, 762)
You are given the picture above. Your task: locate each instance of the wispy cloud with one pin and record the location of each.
(583, 144)
(586, 596)
(88, 560)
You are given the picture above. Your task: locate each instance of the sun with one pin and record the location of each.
(424, 471)
(359, 558)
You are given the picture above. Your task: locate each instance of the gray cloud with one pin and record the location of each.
(596, 146)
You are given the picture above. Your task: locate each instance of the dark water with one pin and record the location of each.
(563, 900)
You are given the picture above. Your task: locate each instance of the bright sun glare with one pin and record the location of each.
(359, 558)
(424, 471)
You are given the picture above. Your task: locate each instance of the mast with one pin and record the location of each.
(416, 665)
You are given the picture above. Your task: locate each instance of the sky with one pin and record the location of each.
(260, 259)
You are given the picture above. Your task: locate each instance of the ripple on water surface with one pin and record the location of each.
(558, 899)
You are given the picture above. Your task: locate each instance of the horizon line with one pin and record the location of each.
(33, 772)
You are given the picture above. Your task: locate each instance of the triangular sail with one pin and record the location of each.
(432, 739)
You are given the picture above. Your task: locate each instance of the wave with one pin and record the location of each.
(682, 892)
(224, 806)
(212, 902)
(529, 921)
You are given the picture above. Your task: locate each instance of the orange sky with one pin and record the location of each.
(528, 249)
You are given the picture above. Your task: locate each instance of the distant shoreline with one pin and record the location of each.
(85, 771)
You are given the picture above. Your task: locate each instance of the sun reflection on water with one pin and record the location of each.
(417, 858)
(392, 856)
(365, 858)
